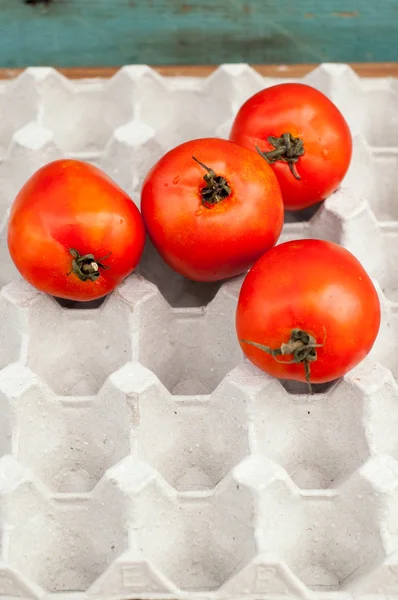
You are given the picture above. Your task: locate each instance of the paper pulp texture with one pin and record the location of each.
(141, 456)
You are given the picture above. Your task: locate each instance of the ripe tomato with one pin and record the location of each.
(211, 208)
(73, 233)
(307, 310)
(302, 134)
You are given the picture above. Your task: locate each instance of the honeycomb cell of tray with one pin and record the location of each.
(75, 439)
(132, 90)
(189, 349)
(321, 536)
(81, 116)
(192, 441)
(75, 350)
(319, 440)
(78, 536)
(195, 540)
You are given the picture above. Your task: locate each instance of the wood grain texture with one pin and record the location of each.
(362, 69)
(161, 32)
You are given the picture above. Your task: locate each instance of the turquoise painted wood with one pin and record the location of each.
(159, 32)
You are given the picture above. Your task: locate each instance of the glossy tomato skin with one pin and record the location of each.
(209, 243)
(71, 204)
(309, 115)
(318, 287)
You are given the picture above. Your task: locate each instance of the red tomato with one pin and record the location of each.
(212, 219)
(307, 310)
(73, 233)
(303, 136)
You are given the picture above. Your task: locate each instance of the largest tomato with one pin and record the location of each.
(307, 310)
(302, 134)
(73, 233)
(211, 208)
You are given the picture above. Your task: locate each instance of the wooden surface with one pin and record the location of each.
(163, 32)
(363, 70)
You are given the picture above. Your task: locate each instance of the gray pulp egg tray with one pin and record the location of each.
(141, 456)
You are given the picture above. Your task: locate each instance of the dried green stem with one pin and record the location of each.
(87, 267)
(216, 188)
(287, 148)
(301, 345)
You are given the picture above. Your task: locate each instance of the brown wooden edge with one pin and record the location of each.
(363, 69)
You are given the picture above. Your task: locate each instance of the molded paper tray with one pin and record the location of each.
(141, 456)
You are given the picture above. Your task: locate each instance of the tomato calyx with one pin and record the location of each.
(85, 266)
(287, 148)
(301, 345)
(216, 188)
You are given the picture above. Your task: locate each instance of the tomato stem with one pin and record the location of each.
(301, 345)
(87, 267)
(287, 149)
(216, 188)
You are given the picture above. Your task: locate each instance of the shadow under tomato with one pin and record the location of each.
(300, 388)
(74, 304)
(299, 216)
(176, 289)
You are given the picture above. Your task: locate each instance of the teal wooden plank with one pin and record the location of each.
(116, 32)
